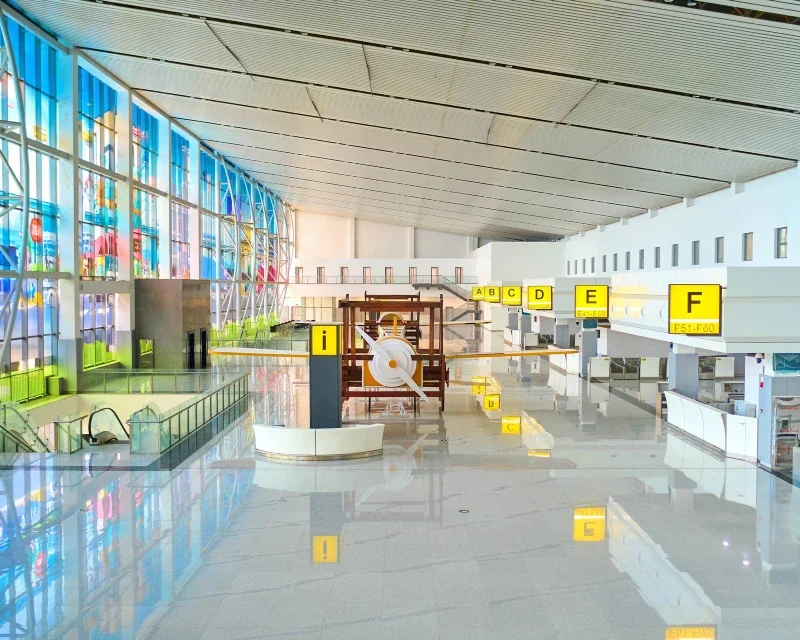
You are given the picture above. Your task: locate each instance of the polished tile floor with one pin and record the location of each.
(579, 515)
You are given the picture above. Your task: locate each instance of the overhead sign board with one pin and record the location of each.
(695, 309)
(512, 296)
(589, 524)
(540, 298)
(478, 293)
(491, 293)
(591, 300)
(324, 340)
(491, 402)
(709, 632)
(510, 424)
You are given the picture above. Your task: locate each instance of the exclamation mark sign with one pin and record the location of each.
(325, 543)
(324, 344)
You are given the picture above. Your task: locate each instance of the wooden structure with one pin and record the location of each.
(430, 351)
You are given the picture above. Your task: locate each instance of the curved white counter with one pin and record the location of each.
(735, 436)
(360, 441)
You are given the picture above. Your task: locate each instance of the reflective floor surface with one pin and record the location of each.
(571, 512)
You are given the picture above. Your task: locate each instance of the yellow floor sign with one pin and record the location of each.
(589, 524)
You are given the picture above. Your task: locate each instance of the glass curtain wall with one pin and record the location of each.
(126, 209)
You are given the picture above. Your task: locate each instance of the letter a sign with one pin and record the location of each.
(695, 309)
(591, 300)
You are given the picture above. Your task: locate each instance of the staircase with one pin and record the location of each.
(468, 308)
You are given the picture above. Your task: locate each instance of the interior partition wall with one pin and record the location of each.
(118, 190)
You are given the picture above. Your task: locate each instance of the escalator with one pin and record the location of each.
(18, 432)
(105, 427)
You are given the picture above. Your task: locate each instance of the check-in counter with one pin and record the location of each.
(600, 368)
(735, 436)
(650, 367)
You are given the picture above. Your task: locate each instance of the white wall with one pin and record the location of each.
(321, 236)
(518, 261)
(759, 206)
(436, 244)
(624, 345)
(379, 240)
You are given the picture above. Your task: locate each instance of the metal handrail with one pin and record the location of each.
(30, 433)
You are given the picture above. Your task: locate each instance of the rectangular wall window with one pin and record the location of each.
(592, 264)
(144, 134)
(320, 275)
(298, 275)
(412, 274)
(459, 275)
(343, 275)
(145, 234)
(627, 261)
(657, 258)
(434, 274)
(719, 250)
(747, 247)
(674, 255)
(387, 274)
(208, 248)
(208, 181)
(781, 242)
(97, 118)
(615, 264)
(179, 181)
(367, 273)
(605, 265)
(641, 258)
(98, 329)
(695, 252)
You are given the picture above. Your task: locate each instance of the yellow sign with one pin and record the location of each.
(324, 340)
(510, 424)
(539, 453)
(478, 293)
(491, 293)
(478, 386)
(589, 524)
(324, 549)
(512, 296)
(491, 402)
(695, 309)
(540, 298)
(704, 631)
(591, 300)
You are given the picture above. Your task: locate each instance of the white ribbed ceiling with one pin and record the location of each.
(492, 117)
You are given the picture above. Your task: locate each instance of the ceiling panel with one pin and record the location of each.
(477, 86)
(607, 39)
(570, 207)
(295, 56)
(132, 31)
(680, 118)
(215, 85)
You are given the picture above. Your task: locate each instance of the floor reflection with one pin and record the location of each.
(568, 511)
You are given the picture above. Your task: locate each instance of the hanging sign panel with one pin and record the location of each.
(478, 293)
(491, 293)
(512, 296)
(695, 309)
(540, 298)
(591, 300)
